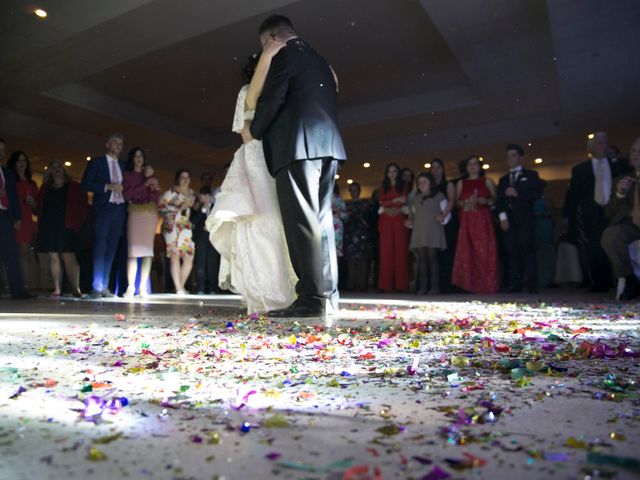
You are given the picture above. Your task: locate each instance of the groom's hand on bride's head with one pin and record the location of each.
(246, 134)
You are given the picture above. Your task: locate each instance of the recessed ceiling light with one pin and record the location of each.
(537, 161)
(88, 158)
(366, 164)
(591, 135)
(337, 176)
(349, 181)
(481, 159)
(40, 13)
(427, 165)
(530, 144)
(67, 164)
(485, 166)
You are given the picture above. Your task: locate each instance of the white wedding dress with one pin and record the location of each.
(246, 228)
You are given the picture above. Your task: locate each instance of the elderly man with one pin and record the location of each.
(623, 211)
(589, 191)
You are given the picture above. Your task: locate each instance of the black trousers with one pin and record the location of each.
(615, 241)
(207, 260)
(305, 193)
(9, 254)
(521, 254)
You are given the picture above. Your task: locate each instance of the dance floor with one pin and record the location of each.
(524, 387)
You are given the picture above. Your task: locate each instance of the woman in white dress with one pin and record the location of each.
(245, 224)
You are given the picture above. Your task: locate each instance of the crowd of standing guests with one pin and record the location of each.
(424, 234)
(126, 211)
(470, 235)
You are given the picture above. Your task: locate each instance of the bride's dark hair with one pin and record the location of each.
(249, 68)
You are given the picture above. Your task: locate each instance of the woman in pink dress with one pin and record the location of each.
(141, 191)
(475, 268)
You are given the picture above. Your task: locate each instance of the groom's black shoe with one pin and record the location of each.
(301, 308)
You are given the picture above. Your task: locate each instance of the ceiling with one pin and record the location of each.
(418, 79)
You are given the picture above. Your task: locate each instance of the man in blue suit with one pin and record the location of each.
(103, 177)
(10, 220)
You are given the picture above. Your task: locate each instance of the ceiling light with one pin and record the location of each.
(481, 159)
(40, 13)
(67, 164)
(530, 144)
(537, 161)
(591, 135)
(88, 158)
(366, 164)
(427, 165)
(349, 181)
(485, 166)
(337, 176)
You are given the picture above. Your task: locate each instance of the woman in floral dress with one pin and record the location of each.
(175, 208)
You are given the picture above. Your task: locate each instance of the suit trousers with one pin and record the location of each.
(9, 254)
(207, 260)
(305, 193)
(109, 227)
(521, 255)
(615, 242)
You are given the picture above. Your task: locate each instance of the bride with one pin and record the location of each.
(245, 224)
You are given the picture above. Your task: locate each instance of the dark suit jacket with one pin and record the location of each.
(95, 178)
(296, 116)
(619, 210)
(198, 219)
(12, 193)
(579, 199)
(529, 190)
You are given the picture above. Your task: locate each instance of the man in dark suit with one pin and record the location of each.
(296, 118)
(517, 192)
(623, 211)
(10, 220)
(589, 191)
(207, 258)
(103, 177)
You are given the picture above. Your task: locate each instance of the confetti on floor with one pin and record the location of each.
(197, 390)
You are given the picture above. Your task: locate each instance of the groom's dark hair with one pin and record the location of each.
(276, 24)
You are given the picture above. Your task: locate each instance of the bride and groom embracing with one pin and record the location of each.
(272, 221)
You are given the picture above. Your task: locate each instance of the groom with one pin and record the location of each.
(296, 118)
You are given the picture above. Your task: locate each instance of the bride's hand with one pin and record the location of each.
(272, 47)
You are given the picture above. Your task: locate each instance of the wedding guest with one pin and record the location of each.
(427, 235)
(103, 177)
(393, 233)
(623, 211)
(340, 214)
(175, 208)
(27, 192)
(475, 267)
(141, 191)
(544, 240)
(589, 191)
(445, 257)
(207, 258)
(408, 178)
(206, 181)
(62, 209)
(517, 192)
(358, 241)
(10, 222)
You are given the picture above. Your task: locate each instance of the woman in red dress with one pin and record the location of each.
(394, 241)
(475, 268)
(27, 193)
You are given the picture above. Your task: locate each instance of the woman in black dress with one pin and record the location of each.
(62, 208)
